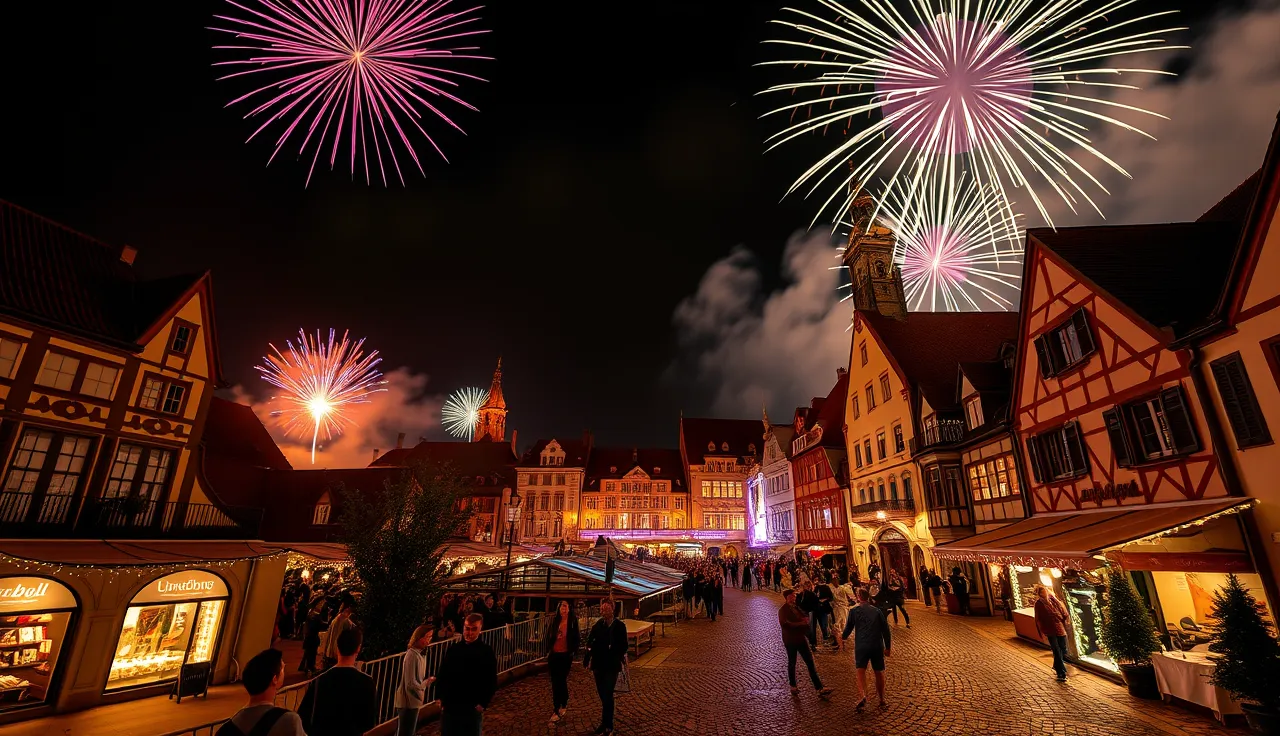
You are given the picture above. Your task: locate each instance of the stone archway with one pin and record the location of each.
(895, 554)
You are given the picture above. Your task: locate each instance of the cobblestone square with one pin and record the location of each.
(946, 675)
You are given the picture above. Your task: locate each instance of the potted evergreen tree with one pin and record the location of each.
(1129, 636)
(1247, 656)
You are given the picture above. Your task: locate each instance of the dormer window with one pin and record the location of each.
(181, 337)
(751, 449)
(711, 447)
(724, 446)
(320, 514)
(613, 468)
(656, 470)
(973, 412)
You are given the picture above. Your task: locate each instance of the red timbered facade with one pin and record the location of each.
(821, 472)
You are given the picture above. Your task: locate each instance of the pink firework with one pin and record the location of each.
(350, 75)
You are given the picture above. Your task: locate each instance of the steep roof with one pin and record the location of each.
(740, 434)
(493, 461)
(615, 462)
(928, 346)
(1170, 275)
(987, 376)
(60, 279)
(495, 399)
(830, 414)
(784, 433)
(576, 452)
(1235, 206)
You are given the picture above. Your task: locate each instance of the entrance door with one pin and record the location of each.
(897, 556)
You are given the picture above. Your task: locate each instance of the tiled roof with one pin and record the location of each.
(830, 414)
(740, 434)
(784, 434)
(987, 376)
(576, 452)
(1170, 275)
(58, 278)
(1235, 206)
(928, 346)
(615, 462)
(493, 461)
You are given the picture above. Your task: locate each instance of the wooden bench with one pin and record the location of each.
(639, 633)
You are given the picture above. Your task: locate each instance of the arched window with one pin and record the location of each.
(893, 488)
(711, 447)
(862, 495)
(724, 446)
(906, 486)
(880, 483)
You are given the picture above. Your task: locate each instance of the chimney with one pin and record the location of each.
(421, 439)
(375, 455)
(127, 254)
(400, 441)
(840, 371)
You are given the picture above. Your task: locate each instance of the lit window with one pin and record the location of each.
(99, 380)
(9, 350)
(152, 390)
(58, 371)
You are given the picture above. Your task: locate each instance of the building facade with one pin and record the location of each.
(821, 473)
(779, 487)
(715, 453)
(549, 480)
(638, 498)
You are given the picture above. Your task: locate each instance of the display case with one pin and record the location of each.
(31, 639)
(157, 637)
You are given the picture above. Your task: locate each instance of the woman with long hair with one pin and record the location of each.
(561, 641)
(413, 680)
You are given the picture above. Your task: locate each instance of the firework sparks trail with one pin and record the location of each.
(363, 69)
(1000, 84)
(461, 412)
(320, 381)
(955, 249)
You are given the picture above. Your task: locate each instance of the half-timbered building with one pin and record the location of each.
(820, 470)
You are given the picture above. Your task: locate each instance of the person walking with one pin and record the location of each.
(715, 597)
(897, 598)
(826, 602)
(468, 679)
(340, 623)
(1006, 594)
(935, 589)
(413, 680)
(342, 701)
(844, 599)
(795, 638)
(870, 644)
(561, 641)
(263, 676)
(960, 586)
(606, 653)
(924, 585)
(1051, 622)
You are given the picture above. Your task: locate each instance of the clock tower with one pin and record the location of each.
(492, 424)
(876, 280)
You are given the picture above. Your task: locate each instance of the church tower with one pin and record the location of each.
(492, 424)
(876, 279)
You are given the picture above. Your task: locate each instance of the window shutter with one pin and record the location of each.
(1034, 460)
(1076, 454)
(1178, 416)
(1120, 445)
(1237, 398)
(1080, 320)
(1044, 357)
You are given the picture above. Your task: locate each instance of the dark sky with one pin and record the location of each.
(617, 153)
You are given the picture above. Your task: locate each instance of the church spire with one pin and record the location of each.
(492, 425)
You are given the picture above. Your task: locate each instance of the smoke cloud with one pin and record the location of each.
(405, 406)
(780, 348)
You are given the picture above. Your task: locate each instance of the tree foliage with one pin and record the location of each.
(1128, 634)
(396, 538)
(1244, 647)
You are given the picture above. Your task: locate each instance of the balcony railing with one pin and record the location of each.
(945, 432)
(892, 508)
(22, 515)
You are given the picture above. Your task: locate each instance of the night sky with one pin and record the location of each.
(616, 155)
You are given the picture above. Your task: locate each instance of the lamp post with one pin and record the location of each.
(513, 518)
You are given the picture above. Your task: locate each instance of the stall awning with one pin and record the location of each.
(1074, 539)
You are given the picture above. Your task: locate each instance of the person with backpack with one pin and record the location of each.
(413, 680)
(263, 676)
(342, 701)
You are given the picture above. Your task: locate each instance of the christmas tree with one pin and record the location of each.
(1128, 636)
(1244, 649)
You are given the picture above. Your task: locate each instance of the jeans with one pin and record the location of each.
(606, 680)
(807, 656)
(1059, 646)
(895, 607)
(818, 619)
(963, 600)
(408, 721)
(559, 663)
(461, 722)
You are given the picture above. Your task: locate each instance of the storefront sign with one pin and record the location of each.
(1183, 561)
(1111, 492)
(192, 585)
(34, 594)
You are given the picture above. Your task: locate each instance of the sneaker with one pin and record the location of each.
(825, 693)
(562, 711)
(555, 717)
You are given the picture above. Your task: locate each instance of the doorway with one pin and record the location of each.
(919, 564)
(895, 554)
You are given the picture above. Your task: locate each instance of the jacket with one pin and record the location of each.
(1051, 617)
(795, 625)
(573, 634)
(468, 676)
(413, 679)
(869, 627)
(606, 646)
(340, 702)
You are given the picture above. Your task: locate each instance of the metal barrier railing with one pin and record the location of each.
(513, 646)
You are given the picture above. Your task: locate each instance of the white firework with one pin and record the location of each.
(461, 412)
(1010, 87)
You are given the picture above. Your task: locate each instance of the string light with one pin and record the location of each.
(121, 569)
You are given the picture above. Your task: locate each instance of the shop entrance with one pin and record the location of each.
(173, 622)
(35, 623)
(895, 554)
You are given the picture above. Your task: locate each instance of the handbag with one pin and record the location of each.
(623, 683)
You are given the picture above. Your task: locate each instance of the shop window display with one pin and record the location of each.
(1081, 591)
(32, 633)
(158, 637)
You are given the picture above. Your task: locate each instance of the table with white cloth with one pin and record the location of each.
(1188, 679)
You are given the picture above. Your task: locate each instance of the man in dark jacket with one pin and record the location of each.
(960, 586)
(342, 701)
(795, 637)
(870, 643)
(807, 601)
(606, 651)
(467, 680)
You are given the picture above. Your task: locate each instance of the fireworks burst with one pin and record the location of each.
(461, 412)
(320, 381)
(955, 249)
(363, 69)
(1001, 83)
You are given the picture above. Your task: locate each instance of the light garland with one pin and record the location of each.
(116, 570)
(1063, 563)
(1189, 525)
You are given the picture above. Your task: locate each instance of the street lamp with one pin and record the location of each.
(513, 518)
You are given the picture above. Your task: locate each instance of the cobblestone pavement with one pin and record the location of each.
(947, 675)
